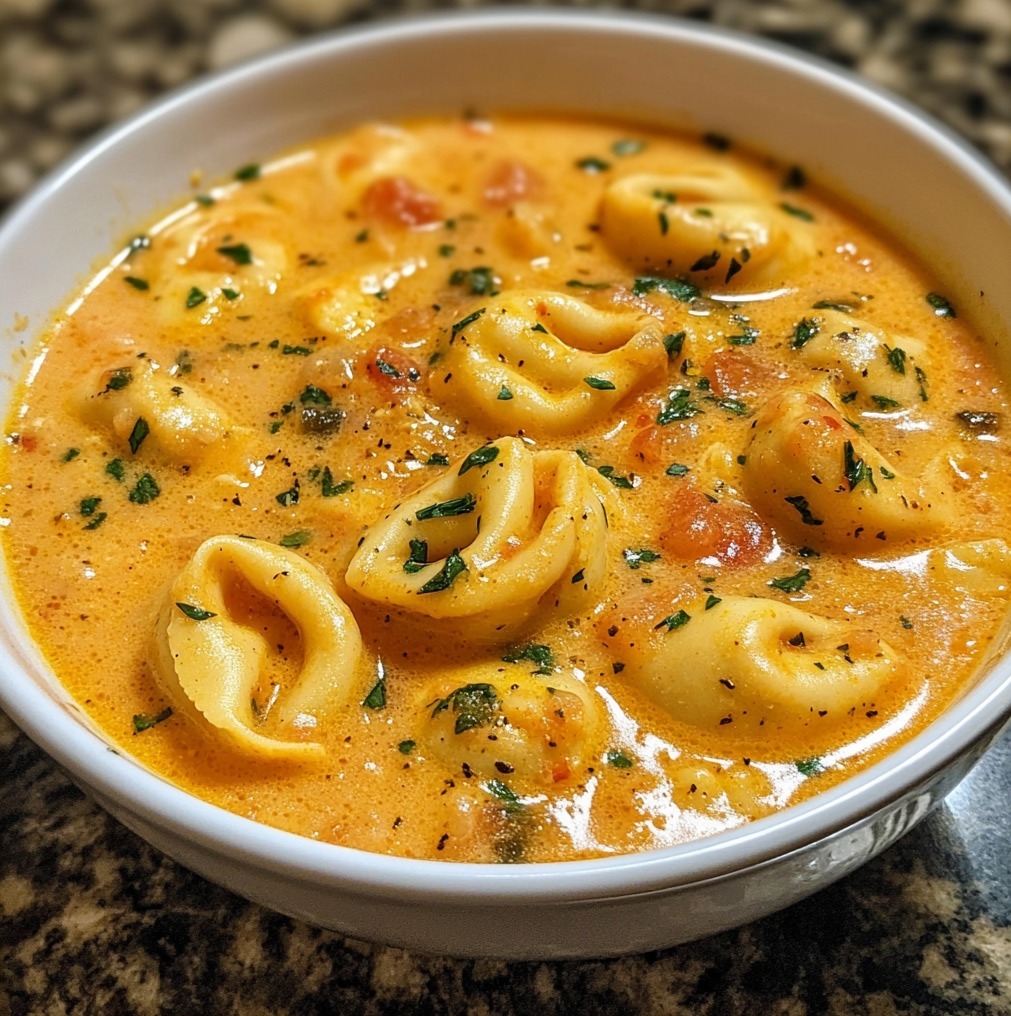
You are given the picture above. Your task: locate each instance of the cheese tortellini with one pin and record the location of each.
(977, 567)
(886, 369)
(208, 262)
(544, 360)
(814, 475)
(144, 402)
(353, 304)
(500, 535)
(713, 223)
(502, 720)
(747, 663)
(224, 674)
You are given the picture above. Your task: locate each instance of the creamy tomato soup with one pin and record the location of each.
(510, 490)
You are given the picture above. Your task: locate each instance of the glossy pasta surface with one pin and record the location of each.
(510, 490)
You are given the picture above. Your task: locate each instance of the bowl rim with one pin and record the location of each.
(152, 799)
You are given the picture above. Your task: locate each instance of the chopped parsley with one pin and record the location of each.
(635, 559)
(406, 747)
(298, 539)
(676, 469)
(195, 297)
(792, 583)
(475, 705)
(418, 557)
(539, 654)
(116, 469)
(239, 253)
(70, 454)
(711, 601)
(142, 722)
(137, 435)
(883, 402)
(856, 470)
(591, 164)
(707, 261)
(672, 621)
(622, 482)
(88, 505)
(479, 457)
(674, 343)
(288, 498)
(376, 698)
(97, 520)
(468, 320)
(905, 622)
(799, 213)
(896, 359)
(330, 489)
(942, 307)
(453, 567)
(600, 384)
(679, 407)
(746, 336)
(480, 281)
(618, 759)
(680, 289)
(508, 797)
(809, 766)
(504, 394)
(248, 172)
(627, 146)
(437, 459)
(844, 308)
(196, 613)
(313, 396)
(804, 331)
(445, 509)
(118, 380)
(145, 490)
(579, 284)
(446, 250)
(141, 284)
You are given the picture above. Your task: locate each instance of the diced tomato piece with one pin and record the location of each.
(510, 181)
(647, 443)
(391, 369)
(735, 373)
(729, 531)
(398, 201)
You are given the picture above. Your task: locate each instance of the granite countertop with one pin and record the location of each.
(92, 920)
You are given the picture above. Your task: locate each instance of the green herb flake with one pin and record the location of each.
(70, 454)
(196, 613)
(635, 559)
(707, 261)
(248, 172)
(942, 307)
(746, 337)
(288, 498)
(330, 489)
(541, 655)
(711, 601)
(132, 280)
(622, 482)
(204, 200)
(116, 469)
(479, 457)
(295, 350)
(883, 402)
(446, 250)
(239, 253)
(600, 384)
(804, 331)
(142, 722)
(896, 359)
(679, 407)
(475, 705)
(297, 539)
(387, 368)
(418, 557)
(313, 396)
(97, 520)
(886, 472)
(145, 490)
(468, 320)
(508, 797)
(88, 505)
(672, 621)
(792, 583)
(453, 567)
(406, 747)
(579, 284)
(376, 698)
(734, 406)
(809, 766)
(539, 328)
(625, 147)
(679, 289)
(446, 509)
(676, 469)
(504, 394)
(921, 378)
(905, 622)
(138, 434)
(664, 222)
(857, 471)
(674, 343)
(804, 508)
(230, 294)
(798, 213)
(480, 281)
(618, 759)
(118, 380)
(437, 459)
(195, 297)
(843, 308)
(591, 164)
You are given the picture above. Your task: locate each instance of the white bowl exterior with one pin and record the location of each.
(942, 200)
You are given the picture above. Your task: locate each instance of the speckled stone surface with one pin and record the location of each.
(92, 920)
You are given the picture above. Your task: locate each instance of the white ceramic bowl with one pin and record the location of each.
(923, 183)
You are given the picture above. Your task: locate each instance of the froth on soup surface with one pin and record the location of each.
(510, 490)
